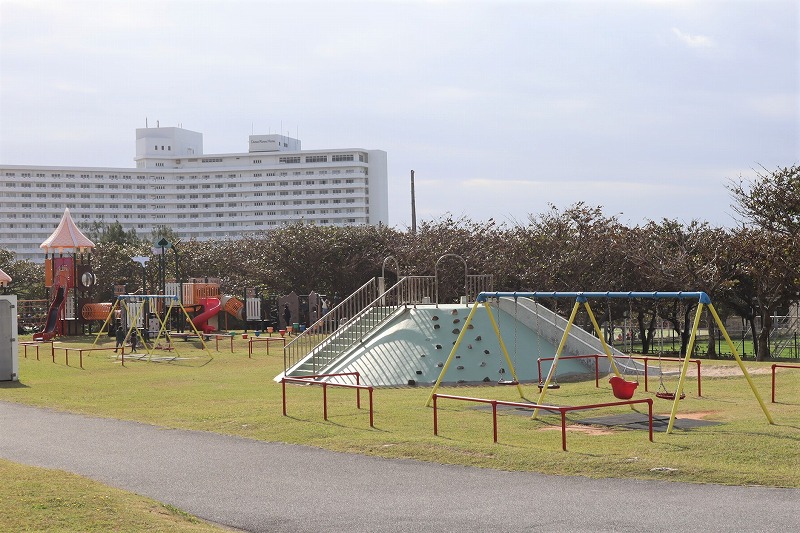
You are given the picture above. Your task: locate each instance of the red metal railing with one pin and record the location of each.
(220, 336)
(309, 380)
(646, 360)
(773, 376)
(268, 340)
(25, 345)
(561, 409)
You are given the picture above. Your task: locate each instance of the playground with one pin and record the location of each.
(524, 381)
(235, 395)
(719, 436)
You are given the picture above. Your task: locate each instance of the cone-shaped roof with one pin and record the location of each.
(5, 279)
(67, 236)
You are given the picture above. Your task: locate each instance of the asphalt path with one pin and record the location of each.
(263, 486)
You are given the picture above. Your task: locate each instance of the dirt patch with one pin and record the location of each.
(725, 371)
(588, 430)
(700, 415)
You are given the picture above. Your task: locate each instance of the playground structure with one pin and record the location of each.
(69, 276)
(203, 296)
(128, 312)
(582, 300)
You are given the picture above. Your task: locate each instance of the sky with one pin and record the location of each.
(646, 108)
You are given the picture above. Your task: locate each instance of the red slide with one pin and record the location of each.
(211, 306)
(49, 330)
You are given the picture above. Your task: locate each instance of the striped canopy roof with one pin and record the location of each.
(5, 279)
(67, 236)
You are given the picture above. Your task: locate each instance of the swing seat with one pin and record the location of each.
(550, 386)
(507, 382)
(622, 388)
(665, 395)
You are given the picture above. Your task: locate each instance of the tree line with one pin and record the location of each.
(750, 270)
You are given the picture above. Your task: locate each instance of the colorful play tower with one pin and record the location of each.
(68, 274)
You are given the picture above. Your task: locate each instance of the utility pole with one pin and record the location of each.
(413, 207)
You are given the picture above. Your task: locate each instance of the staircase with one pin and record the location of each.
(351, 322)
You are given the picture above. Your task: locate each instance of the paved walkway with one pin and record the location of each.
(262, 486)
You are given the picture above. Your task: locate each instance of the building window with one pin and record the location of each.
(316, 159)
(342, 157)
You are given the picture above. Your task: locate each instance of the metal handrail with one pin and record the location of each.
(329, 337)
(297, 349)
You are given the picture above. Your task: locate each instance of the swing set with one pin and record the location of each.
(621, 387)
(133, 307)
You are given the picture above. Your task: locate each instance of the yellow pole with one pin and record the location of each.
(196, 332)
(740, 363)
(503, 345)
(606, 348)
(600, 335)
(684, 368)
(108, 320)
(452, 354)
(560, 348)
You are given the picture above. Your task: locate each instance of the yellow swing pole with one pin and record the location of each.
(108, 320)
(560, 349)
(163, 324)
(684, 368)
(600, 335)
(196, 332)
(740, 363)
(503, 345)
(452, 354)
(606, 348)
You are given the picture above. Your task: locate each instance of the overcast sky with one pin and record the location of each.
(647, 108)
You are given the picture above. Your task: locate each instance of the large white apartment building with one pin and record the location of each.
(200, 196)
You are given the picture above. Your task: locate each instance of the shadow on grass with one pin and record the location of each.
(13, 385)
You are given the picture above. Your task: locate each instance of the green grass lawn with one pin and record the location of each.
(37, 499)
(236, 395)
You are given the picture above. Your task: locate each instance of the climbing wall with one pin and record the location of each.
(412, 349)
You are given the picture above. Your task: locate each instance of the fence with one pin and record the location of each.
(310, 380)
(563, 410)
(796, 367)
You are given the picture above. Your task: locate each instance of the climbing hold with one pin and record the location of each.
(456, 320)
(483, 363)
(411, 382)
(438, 346)
(436, 326)
(419, 372)
(486, 352)
(456, 331)
(470, 326)
(478, 338)
(460, 367)
(439, 365)
(454, 312)
(486, 379)
(458, 357)
(434, 317)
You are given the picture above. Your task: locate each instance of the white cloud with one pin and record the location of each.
(694, 41)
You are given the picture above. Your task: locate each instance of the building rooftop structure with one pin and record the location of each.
(199, 196)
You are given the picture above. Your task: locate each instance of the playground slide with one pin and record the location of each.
(49, 330)
(211, 306)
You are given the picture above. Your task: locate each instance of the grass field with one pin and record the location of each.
(233, 394)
